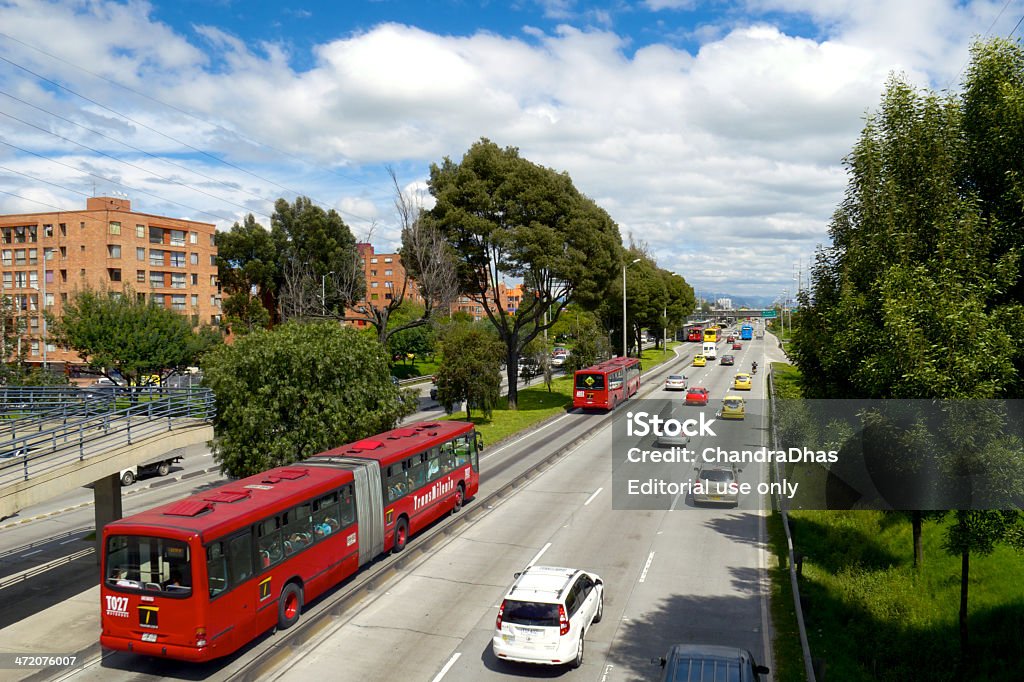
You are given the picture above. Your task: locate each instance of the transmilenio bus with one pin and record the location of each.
(606, 384)
(199, 578)
(695, 333)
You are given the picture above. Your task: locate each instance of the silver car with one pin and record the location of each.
(675, 382)
(718, 485)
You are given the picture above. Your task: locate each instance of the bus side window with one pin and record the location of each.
(325, 516)
(240, 558)
(462, 445)
(216, 568)
(417, 473)
(348, 507)
(433, 465)
(269, 542)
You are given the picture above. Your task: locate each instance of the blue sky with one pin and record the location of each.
(713, 132)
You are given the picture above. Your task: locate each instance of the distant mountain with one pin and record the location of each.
(740, 301)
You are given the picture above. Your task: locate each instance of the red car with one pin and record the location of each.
(737, 346)
(730, 339)
(698, 395)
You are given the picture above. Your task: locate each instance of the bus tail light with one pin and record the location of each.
(200, 637)
(501, 610)
(563, 621)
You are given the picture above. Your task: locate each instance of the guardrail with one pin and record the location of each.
(793, 582)
(88, 435)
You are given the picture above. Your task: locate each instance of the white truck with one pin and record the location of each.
(710, 350)
(160, 467)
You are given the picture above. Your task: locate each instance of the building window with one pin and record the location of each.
(373, 297)
(33, 232)
(387, 297)
(35, 348)
(81, 225)
(373, 285)
(64, 276)
(115, 227)
(213, 280)
(213, 301)
(195, 279)
(178, 280)
(140, 253)
(193, 237)
(63, 227)
(140, 231)
(140, 276)
(388, 272)
(177, 237)
(157, 299)
(195, 300)
(7, 258)
(47, 230)
(49, 276)
(213, 239)
(113, 250)
(214, 319)
(64, 298)
(213, 260)
(140, 297)
(156, 235)
(156, 257)
(178, 301)
(63, 252)
(388, 260)
(177, 259)
(115, 274)
(156, 280)
(49, 299)
(194, 258)
(33, 279)
(48, 254)
(8, 280)
(33, 256)
(373, 260)
(373, 273)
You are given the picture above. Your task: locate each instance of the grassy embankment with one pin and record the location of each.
(536, 404)
(871, 616)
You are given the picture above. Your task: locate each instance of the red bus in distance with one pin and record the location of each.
(199, 578)
(606, 384)
(695, 333)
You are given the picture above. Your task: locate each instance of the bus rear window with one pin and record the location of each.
(140, 562)
(590, 382)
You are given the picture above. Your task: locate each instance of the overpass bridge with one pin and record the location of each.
(54, 440)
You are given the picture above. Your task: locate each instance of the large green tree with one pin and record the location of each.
(507, 217)
(919, 295)
(249, 271)
(115, 333)
(291, 392)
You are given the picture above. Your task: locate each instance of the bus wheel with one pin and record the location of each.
(127, 478)
(163, 469)
(460, 497)
(401, 534)
(289, 606)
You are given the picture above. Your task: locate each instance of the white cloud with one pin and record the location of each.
(727, 161)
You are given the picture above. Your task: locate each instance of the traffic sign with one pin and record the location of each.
(770, 313)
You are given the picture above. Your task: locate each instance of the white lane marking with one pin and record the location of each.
(647, 566)
(592, 496)
(503, 447)
(68, 542)
(446, 668)
(539, 554)
(31, 553)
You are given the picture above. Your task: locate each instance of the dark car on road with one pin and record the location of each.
(709, 663)
(728, 360)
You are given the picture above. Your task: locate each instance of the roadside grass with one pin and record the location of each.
(787, 663)
(871, 616)
(418, 368)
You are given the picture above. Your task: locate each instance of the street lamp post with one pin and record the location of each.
(323, 291)
(625, 352)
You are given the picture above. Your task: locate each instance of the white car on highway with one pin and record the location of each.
(546, 614)
(675, 382)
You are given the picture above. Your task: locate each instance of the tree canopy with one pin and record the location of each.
(507, 217)
(117, 334)
(470, 368)
(299, 389)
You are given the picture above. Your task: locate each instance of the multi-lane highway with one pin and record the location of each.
(672, 574)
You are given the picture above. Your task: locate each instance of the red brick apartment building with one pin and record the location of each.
(47, 257)
(385, 277)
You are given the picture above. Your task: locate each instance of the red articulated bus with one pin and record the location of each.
(606, 384)
(199, 578)
(695, 333)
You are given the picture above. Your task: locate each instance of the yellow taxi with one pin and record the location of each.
(733, 407)
(742, 382)
(699, 361)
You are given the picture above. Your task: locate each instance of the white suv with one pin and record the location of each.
(545, 615)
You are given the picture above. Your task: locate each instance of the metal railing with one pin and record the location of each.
(122, 421)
